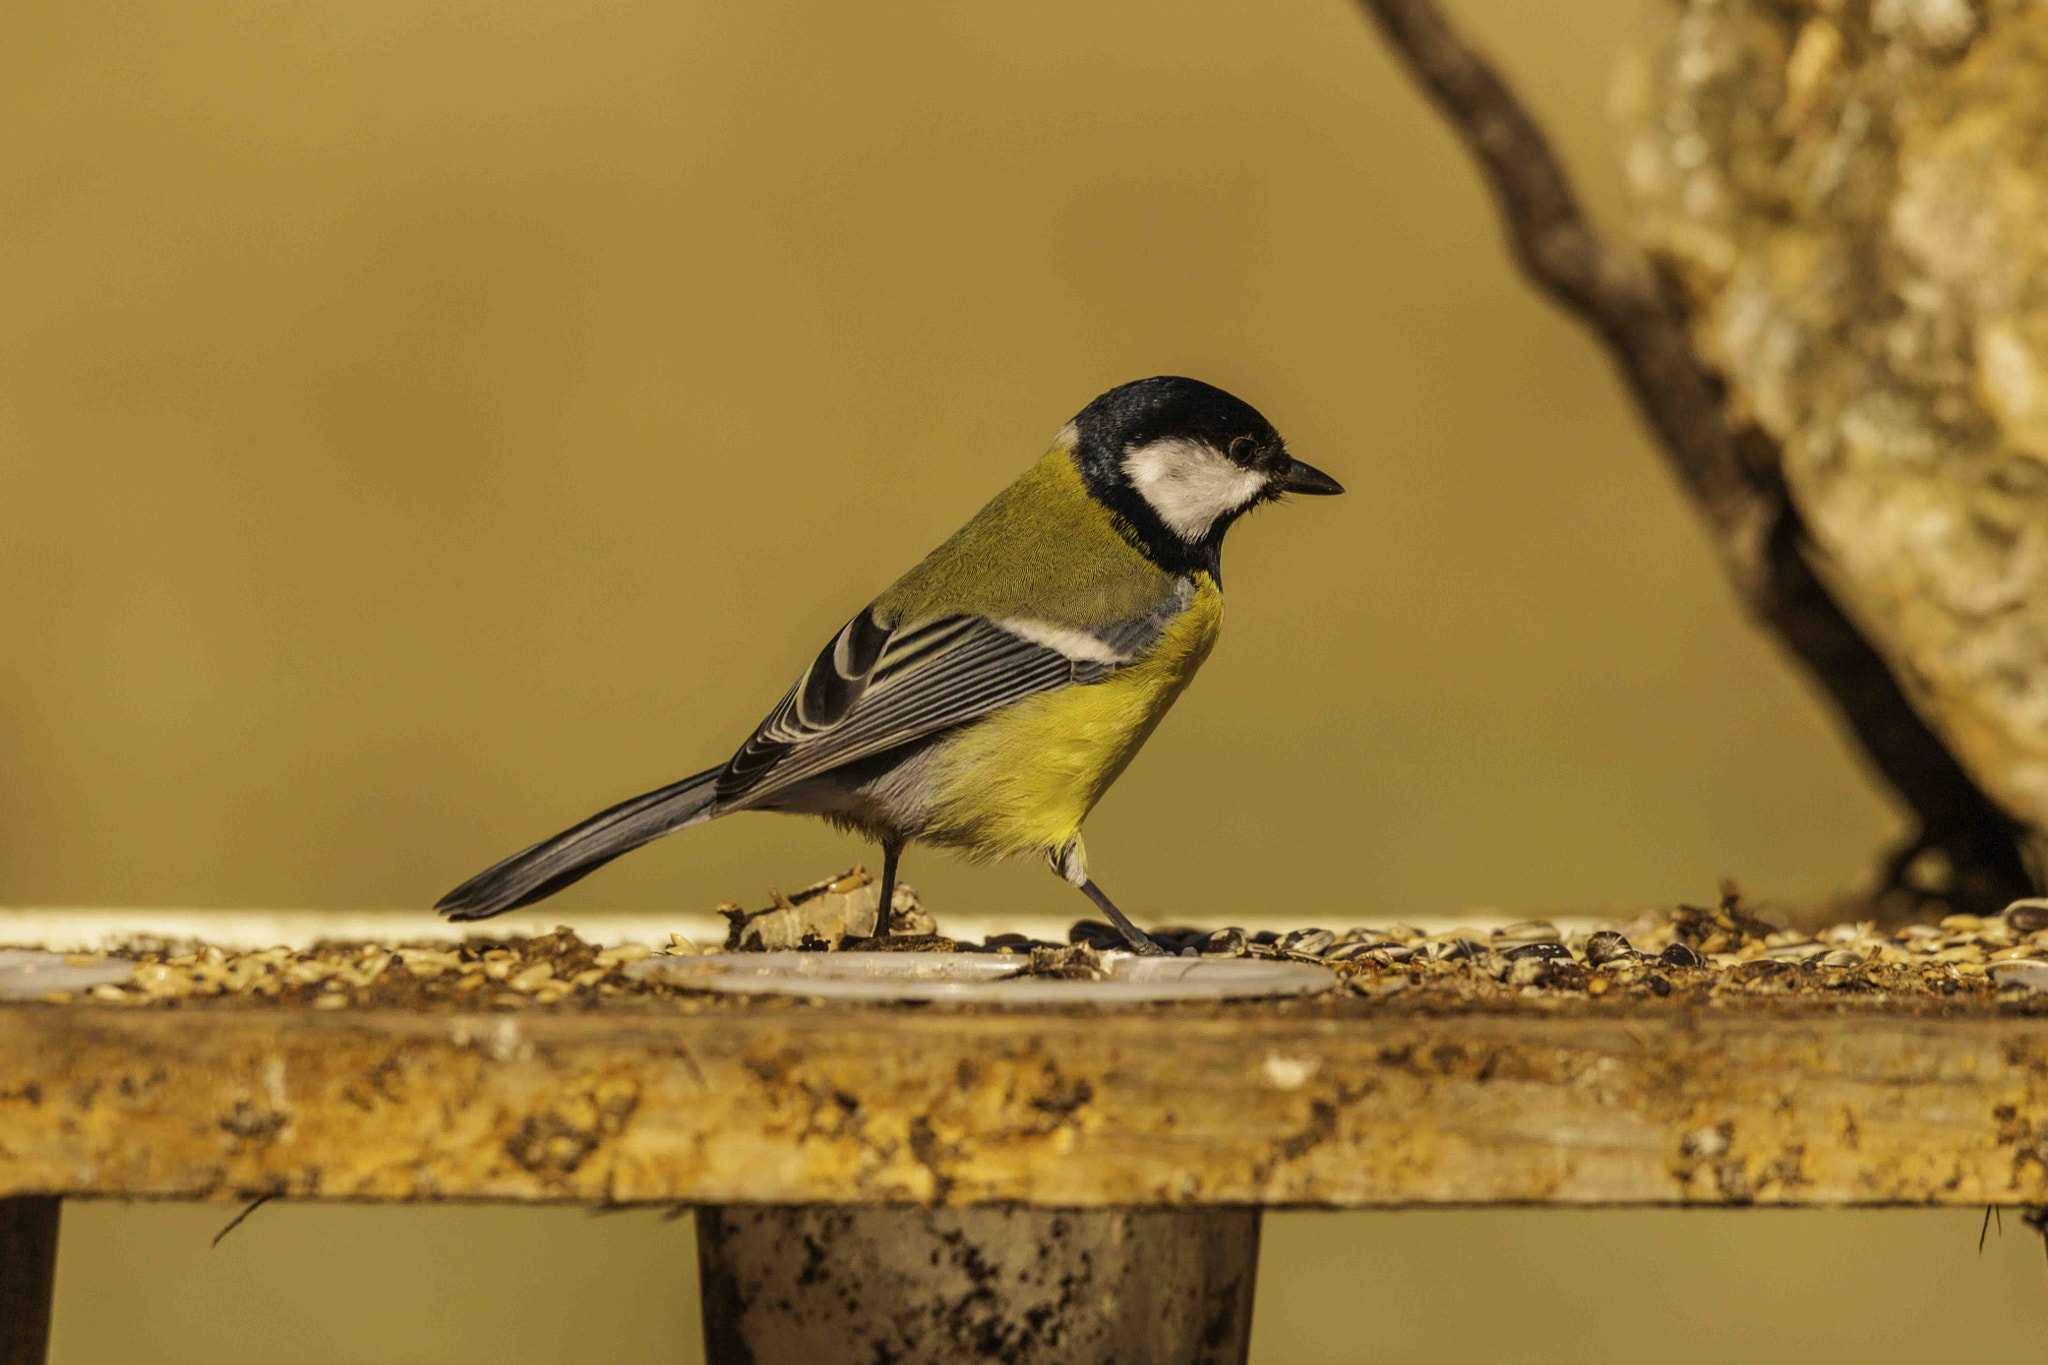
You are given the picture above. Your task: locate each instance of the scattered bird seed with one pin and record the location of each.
(1608, 946)
(530, 978)
(1699, 956)
(2027, 916)
(1310, 941)
(1224, 943)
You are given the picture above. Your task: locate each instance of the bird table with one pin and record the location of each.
(1030, 1184)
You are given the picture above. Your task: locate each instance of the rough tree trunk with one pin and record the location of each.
(1852, 198)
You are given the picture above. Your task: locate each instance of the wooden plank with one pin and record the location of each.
(1334, 1107)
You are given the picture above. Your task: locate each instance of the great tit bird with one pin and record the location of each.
(987, 700)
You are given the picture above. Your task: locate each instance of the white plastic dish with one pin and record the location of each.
(26, 974)
(982, 978)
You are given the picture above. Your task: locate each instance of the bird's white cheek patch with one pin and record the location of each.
(1190, 484)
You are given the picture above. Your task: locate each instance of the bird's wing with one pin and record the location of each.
(875, 687)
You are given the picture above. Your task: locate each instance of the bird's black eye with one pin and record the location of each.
(1244, 450)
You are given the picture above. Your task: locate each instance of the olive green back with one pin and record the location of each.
(1043, 548)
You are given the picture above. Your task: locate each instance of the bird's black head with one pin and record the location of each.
(1180, 460)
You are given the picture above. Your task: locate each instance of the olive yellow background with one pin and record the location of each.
(422, 424)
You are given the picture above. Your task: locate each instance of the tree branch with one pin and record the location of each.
(1731, 475)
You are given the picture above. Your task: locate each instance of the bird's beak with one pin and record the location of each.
(1306, 478)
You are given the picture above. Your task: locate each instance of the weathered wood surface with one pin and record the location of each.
(1217, 1106)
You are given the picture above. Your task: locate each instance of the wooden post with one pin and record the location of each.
(842, 1285)
(28, 1271)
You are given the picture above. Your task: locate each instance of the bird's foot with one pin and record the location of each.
(1143, 944)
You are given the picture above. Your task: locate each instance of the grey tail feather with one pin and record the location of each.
(550, 865)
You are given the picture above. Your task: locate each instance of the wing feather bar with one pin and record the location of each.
(875, 688)
(823, 697)
(982, 669)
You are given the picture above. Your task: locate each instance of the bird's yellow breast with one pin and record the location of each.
(1023, 779)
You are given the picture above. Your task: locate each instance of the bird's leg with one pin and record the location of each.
(892, 849)
(1140, 942)
(1070, 864)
